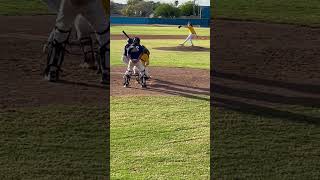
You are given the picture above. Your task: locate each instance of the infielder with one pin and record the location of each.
(94, 12)
(134, 53)
(192, 34)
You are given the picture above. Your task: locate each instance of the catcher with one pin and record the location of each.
(138, 56)
(144, 58)
(192, 34)
(94, 12)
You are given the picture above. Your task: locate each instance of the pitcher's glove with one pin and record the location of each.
(179, 26)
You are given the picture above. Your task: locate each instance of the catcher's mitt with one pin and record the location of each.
(145, 56)
(179, 26)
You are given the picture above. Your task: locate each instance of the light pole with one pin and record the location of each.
(194, 7)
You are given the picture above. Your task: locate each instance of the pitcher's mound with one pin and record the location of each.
(183, 48)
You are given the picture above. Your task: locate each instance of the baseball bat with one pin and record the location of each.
(125, 34)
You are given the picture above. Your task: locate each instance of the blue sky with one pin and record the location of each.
(201, 2)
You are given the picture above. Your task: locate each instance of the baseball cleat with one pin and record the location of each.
(105, 79)
(52, 76)
(143, 81)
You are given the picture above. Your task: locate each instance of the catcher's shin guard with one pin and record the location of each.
(126, 78)
(104, 60)
(55, 57)
(104, 52)
(143, 79)
(89, 52)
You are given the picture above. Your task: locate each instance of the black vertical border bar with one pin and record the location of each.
(108, 93)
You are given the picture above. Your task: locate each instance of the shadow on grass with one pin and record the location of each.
(252, 101)
(180, 90)
(166, 87)
(304, 88)
(260, 110)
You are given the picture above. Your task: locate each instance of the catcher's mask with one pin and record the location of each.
(136, 41)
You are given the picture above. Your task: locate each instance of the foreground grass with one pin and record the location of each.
(303, 12)
(259, 147)
(159, 138)
(22, 7)
(53, 143)
(157, 30)
(166, 58)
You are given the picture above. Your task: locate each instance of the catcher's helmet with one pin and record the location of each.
(130, 41)
(136, 40)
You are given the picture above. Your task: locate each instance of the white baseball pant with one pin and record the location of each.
(135, 63)
(189, 38)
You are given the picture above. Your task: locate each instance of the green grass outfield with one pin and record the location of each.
(56, 142)
(160, 138)
(302, 12)
(248, 146)
(157, 30)
(22, 7)
(166, 58)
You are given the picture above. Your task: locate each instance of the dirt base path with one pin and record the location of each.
(121, 37)
(22, 64)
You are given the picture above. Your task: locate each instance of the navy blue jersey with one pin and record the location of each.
(134, 51)
(125, 52)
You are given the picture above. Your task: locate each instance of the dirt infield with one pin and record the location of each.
(165, 81)
(183, 48)
(260, 67)
(121, 37)
(22, 64)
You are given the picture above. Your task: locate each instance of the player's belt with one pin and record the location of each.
(134, 60)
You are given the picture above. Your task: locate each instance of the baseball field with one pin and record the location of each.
(266, 90)
(57, 130)
(163, 131)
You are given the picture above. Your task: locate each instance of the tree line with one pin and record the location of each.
(141, 8)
